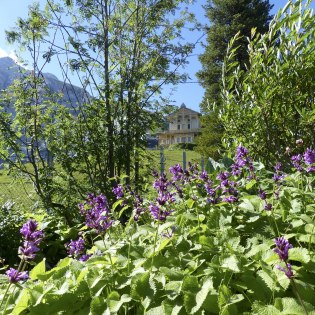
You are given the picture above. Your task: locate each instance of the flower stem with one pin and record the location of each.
(295, 290)
(154, 245)
(5, 294)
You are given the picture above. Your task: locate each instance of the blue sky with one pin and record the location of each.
(189, 93)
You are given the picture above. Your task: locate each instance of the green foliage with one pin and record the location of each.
(209, 141)
(122, 52)
(203, 259)
(226, 17)
(11, 219)
(270, 106)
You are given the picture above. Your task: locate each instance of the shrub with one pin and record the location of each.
(236, 241)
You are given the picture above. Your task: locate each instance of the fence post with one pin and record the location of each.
(162, 160)
(202, 163)
(184, 160)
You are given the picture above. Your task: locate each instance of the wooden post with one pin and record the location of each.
(162, 160)
(184, 160)
(202, 163)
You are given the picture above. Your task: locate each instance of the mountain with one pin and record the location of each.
(72, 95)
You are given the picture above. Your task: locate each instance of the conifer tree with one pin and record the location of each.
(227, 17)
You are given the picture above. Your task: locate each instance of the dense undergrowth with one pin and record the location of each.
(236, 240)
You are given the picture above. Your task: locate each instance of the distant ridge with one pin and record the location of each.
(72, 95)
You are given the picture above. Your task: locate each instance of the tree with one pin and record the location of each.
(122, 52)
(227, 18)
(270, 106)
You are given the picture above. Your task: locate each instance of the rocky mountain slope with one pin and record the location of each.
(72, 95)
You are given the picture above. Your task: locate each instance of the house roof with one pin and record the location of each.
(183, 109)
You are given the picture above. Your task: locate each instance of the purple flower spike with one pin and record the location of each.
(309, 156)
(278, 167)
(262, 194)
(85, 257)
(32, 238)
(30, 232)
(230, 199)
(76, 248)
(96, 212)
(204, 176)
(157, 213)
(118, 191)
(27, 252)
(15, 276)
(288, 270)
(282, 248)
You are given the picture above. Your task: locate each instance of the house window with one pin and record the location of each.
(178, 140)
(189, 139)
(188, 126)
(178, 127)
(184, 139)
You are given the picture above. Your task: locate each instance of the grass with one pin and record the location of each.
(21, 192)
(173, 157)
(17, 191)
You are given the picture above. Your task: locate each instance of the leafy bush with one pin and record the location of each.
(231, 242)
(270, 105)
(10, 221)
(182, 146)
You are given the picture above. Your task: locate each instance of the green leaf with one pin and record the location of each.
(142, 287)
(231, 263)
(227, 300)
(299, 254)
(190, 203)
(38, 270)
(202, 295)
(22, 302)
(115, 301)
(98, 306)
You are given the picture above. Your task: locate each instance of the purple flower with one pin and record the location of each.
(204, 176)
(309, 156)
(32, 238)
(157, 213)
(288, 270)
(268, 206)
(177, 172)
(278, 167)
(96, 213)
(296, 160)
(210, 191)
(277, 177)
(161, 184)
(230, 199)
(118, 191)
(222, 176)
(282, 248)
(27, 252)
(236, 170)
(30, 232)
(164, 198)
(15, 275)
(262, 194)
(76, 248)
(85, 257)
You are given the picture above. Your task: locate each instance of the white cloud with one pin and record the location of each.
(10, 54)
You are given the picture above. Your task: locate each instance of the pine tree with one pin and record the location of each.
(227, 17)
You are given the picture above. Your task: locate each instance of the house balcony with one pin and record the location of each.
(182, 131)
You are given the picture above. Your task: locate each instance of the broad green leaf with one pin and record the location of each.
(40, 268)
(231, 263)
(22, 302)
(202, 295)
(299, 254)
